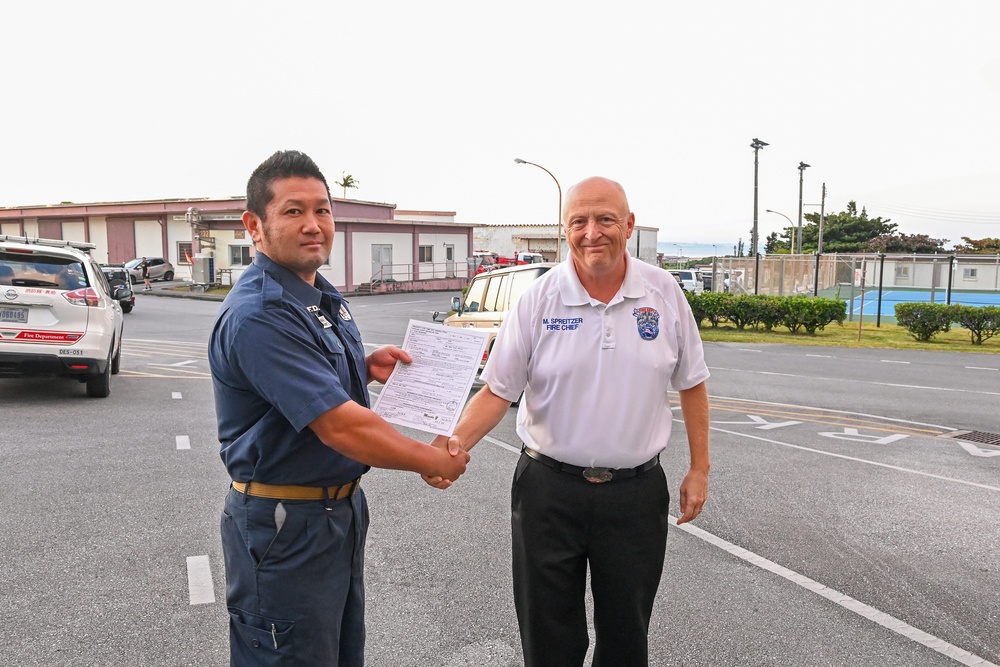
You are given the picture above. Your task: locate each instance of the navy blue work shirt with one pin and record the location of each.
(276, 367)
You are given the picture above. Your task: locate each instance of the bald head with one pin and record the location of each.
(596, 186)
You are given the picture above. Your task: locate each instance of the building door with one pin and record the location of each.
(449, 258)
(381, 261)
(121, 241)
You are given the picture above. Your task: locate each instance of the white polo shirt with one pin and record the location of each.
(595, 377)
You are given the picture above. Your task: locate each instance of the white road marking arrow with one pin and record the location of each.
(762, 423)
(853, 434)
(975, 451)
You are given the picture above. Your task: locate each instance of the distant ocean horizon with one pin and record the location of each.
(693, 250)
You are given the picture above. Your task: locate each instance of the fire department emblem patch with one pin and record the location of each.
(647, 320)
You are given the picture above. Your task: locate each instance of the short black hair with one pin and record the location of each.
(283, 164)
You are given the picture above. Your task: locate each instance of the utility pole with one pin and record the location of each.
(822, 219)
(802, 169)
(756, 145)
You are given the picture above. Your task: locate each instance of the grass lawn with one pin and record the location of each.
(846, 335)
(835, 335)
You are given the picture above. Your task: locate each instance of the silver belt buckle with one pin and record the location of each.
(597, 475)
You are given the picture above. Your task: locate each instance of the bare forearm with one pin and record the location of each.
(695, 410)
(360, 434)
(483, 412)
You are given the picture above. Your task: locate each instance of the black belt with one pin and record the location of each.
(593, 474)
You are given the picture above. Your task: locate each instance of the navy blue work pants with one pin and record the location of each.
(295, 594)
(562, 523)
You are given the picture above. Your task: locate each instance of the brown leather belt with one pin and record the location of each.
(291, 492)
(595, 475)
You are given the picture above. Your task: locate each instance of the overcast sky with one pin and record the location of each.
(894, 104)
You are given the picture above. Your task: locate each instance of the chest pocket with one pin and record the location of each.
(340, 358)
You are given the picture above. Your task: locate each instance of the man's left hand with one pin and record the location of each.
(382, 361)
(694, 492)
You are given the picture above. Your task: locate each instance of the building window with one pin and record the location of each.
(902, 272)
(426, 253)
(184, 253)
(239, 255)
(969, 274)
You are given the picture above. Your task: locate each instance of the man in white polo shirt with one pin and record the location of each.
(594, 344)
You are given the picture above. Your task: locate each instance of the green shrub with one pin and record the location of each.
(812, 313)
(983, 323)
(714, 306)
(742, 310)
(771, 311)
(697, 306)
(924, 320)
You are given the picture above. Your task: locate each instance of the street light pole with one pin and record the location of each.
(680, 255)
(518, 160)
(756, 145)
(791, 226)
(802, 168)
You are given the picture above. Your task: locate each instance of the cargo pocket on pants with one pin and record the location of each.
(257, 640)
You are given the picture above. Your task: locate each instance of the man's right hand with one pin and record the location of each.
(455, 458)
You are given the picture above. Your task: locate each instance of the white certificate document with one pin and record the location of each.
(429, 393)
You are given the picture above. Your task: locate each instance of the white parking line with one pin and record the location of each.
(845, 601)
(175, 394)
(183, 442)
(858, 460)
(201, 589)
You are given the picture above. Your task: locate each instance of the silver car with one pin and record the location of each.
(159, 269)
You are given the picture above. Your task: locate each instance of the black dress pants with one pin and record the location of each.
(561, 524)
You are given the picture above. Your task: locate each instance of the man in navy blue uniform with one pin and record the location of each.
(296, 433)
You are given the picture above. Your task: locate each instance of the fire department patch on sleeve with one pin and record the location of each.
(647, 320)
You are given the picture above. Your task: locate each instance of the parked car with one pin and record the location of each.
(488, 298)
(159, 269)
(58, 313)
(118, 276)
(690, 280)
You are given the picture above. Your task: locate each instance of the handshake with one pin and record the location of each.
(449, 462)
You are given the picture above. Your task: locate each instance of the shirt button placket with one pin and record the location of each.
(608, 341)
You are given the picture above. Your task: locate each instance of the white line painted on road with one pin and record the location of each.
(394, 303)
(501, 443)
(175, 394)
(981, 368)
(821, 356)
(743, 349)
(183, 442)
(877, 384)
(834, 412)
(201, 590)
(857, 460)
(975, 451)
(184, 363)
(893, 361)
(846, 601)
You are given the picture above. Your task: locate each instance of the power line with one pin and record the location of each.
(944, 215)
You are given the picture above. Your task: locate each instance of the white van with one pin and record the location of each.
(690, 280)
(489, 296)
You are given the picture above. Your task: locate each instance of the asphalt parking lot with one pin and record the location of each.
(844, 525)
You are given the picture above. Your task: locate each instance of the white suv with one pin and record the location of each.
(58, 314)
(690, 280)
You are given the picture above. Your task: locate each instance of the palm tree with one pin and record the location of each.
(347, 181)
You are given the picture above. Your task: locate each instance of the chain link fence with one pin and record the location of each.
(882, 280)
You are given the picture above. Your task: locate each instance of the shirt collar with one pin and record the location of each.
(302, 291)
(573, 293)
